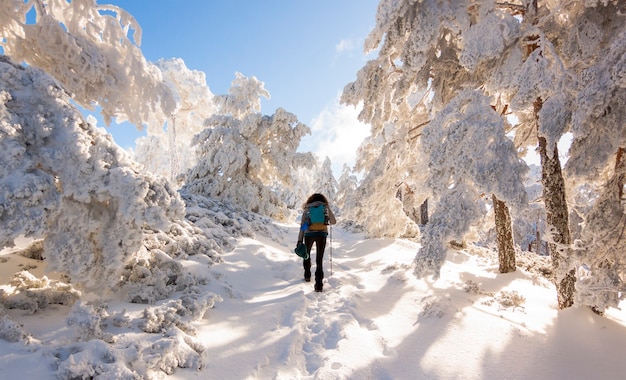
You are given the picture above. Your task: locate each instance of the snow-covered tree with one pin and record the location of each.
(194, 104)
(325, 182)
(243, 98)
(386, 167)
(417, 73)
(600, 277)
(153, 153)
(302, 182)
(529, 224)
(65, 182)
(386, 158)
(243, 161)
(595, 54)
(308, 176)
(468, 155)
(573, 56)
(346, 187)
(247, 158)
(88, 48)
(537, 60)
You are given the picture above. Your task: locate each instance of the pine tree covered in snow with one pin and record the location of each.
(243, 98)
(387, 168)
(243, 156)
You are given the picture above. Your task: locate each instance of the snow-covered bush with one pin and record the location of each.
(346, 187)
(97, 359)
(167, 342)
(10, 330)
(66, 182)
(88, 320)
(33, 294)
(223, 222)
(154, 272)
(173, 351)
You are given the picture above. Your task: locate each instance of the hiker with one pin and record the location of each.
(314, 229)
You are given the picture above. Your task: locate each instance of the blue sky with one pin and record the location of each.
(304, 51)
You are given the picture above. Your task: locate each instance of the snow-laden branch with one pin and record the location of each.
(88, 49)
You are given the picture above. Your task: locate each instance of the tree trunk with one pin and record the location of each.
(618, 158)
(174, 162)
(538, 239)
(506, 249)
(424, 212)
(557, 218)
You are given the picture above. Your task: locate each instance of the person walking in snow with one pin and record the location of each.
(316, 217)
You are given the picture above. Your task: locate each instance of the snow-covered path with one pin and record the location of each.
(272, 323)
(375, 320)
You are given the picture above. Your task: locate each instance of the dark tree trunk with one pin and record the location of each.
(557, 218)
(424, 212)
(506, 249)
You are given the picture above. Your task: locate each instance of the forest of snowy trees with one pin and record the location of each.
(459, 93)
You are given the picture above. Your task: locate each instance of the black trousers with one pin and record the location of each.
(320, 245)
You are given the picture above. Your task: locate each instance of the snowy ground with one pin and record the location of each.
(374, 320)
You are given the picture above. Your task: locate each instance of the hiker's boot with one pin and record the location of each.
(318, 286)
(319, 278)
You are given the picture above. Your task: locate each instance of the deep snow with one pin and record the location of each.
(374, 320)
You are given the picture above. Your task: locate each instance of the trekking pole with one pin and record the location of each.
(331, 250)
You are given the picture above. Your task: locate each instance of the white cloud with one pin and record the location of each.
(344, 45)
(337, 133)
